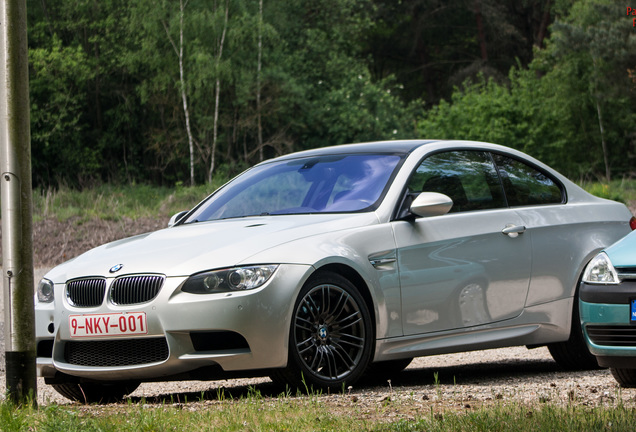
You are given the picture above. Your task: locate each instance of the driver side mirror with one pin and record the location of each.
(176, 218)
(431, 204)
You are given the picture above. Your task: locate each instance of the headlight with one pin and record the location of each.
(45, 291)
(225, 280)
(601, 271)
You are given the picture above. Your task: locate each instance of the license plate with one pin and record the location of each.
(632, 311)
(115, 324)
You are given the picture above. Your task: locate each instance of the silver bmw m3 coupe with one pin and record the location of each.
(317, 267)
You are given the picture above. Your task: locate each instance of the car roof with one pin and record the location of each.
(394, 147)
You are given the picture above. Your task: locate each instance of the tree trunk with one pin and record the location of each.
(599, 113)
(608, 174)
(184, 95)
(184, 98)
(480, 31)
(543, 27)
(258, 80)
(217, 97)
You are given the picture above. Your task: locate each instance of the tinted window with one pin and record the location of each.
(468, 177)
(325, 184)
(525, 185)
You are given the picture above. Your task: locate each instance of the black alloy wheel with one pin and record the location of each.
(331, 336)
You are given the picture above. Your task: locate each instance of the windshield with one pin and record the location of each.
(324, 184)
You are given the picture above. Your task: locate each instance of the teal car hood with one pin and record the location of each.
(623, 252)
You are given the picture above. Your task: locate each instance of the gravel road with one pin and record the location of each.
(454, 381)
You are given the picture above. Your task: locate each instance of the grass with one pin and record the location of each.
(619, 190)
(308, 413)
(521, 418)
(116, 202)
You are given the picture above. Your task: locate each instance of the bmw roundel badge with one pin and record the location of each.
(116, 268)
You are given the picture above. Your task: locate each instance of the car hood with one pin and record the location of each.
(622, 252)
(187, 249)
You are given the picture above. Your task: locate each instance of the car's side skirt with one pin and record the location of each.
(537, 325)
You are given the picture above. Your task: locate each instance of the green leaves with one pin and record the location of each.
(573, 108)
(107, 102)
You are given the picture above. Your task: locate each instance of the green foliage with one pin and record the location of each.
(555, 109)
(84, 112)
(617, 190)
(483, 111)
(60, 77)
(106, 85)
(572, 108)
(515, 115)
(586, 67)
(433, 46)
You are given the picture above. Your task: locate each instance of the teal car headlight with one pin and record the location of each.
(45, 291)
(226, 280)
(601, 271)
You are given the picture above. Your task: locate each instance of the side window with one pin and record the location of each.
(525, 185)
(468, 177)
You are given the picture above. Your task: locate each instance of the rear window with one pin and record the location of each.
(525, 185)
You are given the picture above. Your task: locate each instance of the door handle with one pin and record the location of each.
(512, 230)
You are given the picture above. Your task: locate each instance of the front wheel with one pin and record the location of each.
(96, 392)
(331, 337)
(625, 377)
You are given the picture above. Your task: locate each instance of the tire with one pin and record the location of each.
(625, 377)
(331, 337)
(96, 392)
(574, 354)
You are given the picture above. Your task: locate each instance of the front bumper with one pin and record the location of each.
(607, 328)
(237, 331)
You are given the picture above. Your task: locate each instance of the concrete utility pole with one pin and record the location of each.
(17, 232)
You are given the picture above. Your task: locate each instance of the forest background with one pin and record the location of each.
(178, 92)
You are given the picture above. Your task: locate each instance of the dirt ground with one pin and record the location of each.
(55, 242)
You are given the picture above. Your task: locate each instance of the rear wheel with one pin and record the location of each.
(96, 392)
(331, 337)
(625, 377)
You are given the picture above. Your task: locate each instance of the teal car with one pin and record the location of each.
(608, 309)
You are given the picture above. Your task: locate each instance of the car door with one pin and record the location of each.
(471, 266)
(560, 238)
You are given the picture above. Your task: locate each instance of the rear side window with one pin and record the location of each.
(525, 185)
(469, 178)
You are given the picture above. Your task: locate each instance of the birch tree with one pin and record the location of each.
(259, 68)
(217, 91)
(178, 49)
